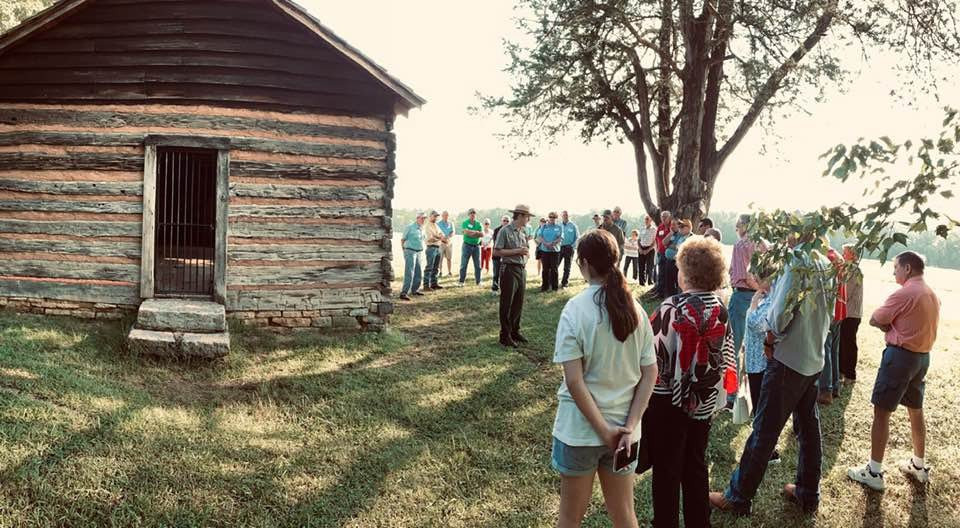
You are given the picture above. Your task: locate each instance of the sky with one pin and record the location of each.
(448, 158)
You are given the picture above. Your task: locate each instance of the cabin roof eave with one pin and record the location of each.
(406, 101)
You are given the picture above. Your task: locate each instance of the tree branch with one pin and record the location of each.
(772, 84)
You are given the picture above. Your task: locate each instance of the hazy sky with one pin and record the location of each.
(448, 159)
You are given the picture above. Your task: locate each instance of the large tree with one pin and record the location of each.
(12, 12)
(683, 82)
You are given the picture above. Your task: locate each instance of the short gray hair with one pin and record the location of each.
(744, 219)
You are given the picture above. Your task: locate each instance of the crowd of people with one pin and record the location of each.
(639, 387)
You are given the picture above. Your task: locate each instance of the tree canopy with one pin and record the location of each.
(12, 12)
(683, 82)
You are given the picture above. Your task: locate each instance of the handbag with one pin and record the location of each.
(743, 405)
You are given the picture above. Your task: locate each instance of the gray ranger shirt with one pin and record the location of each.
(510, 237)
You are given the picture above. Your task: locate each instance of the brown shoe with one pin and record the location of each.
(825, 398)
(790, 492)
(719, 502)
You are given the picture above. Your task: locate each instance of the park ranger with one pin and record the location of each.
(512, 248)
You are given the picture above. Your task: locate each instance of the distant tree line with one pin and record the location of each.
(940, 252)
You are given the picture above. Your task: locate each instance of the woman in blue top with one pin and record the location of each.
(755, 361)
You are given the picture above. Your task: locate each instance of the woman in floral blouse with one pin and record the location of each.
(694, 347)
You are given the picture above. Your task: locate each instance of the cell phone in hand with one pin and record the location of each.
(625, 457)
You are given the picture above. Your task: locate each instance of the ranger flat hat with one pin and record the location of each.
(522, 209)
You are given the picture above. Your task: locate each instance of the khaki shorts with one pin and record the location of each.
(447, 250)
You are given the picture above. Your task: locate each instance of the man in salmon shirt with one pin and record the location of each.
(909, 317)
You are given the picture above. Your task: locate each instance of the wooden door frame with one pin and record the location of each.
(148, 238)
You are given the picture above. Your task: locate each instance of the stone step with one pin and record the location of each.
(179, 344)
(182, 315)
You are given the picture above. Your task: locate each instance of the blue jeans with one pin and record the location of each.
(737, 309)
(432, 268)
(830, 376)
(783, 392)
(412, 272)
(467, 252)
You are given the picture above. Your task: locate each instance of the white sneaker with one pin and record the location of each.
(864, 476)
(459, 285)
(921, 475)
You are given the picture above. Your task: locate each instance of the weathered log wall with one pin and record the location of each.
(309, 208)
(224, 52)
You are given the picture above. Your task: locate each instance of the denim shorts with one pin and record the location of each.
(576, 461)
(900, 380)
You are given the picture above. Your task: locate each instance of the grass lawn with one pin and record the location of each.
(430, 424)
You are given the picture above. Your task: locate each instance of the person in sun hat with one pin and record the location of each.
(512, 248)
(412, 243)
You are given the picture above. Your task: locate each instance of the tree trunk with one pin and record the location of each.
(687, 187)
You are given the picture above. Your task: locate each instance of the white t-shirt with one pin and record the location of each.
(611, 369)
(648, 236)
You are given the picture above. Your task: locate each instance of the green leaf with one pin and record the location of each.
(947, 194)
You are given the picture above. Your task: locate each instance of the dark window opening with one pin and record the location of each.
(186, 221)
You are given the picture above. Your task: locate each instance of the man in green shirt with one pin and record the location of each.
(412, 243)
(472, 233)
(512, 248)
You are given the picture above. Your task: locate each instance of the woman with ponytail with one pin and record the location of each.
(694, 348)
(605, 345)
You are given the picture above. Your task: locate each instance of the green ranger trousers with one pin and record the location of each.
(513, 284)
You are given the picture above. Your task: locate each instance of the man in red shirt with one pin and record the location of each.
(663, 231)
(909, 318)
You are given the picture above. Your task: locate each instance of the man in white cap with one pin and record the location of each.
(412, 243)
(512, 249)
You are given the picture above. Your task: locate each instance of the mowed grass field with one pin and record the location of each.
(429, 424)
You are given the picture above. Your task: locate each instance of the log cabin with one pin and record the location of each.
(166, 155)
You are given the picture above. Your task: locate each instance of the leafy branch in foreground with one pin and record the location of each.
(896, 205)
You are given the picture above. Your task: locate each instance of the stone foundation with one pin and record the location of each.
(372, 318)
(82, 310)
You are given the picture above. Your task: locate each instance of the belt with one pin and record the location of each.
(904, 349)
(745, 290)
(512, 264)
(469, 244)
(433, 245)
